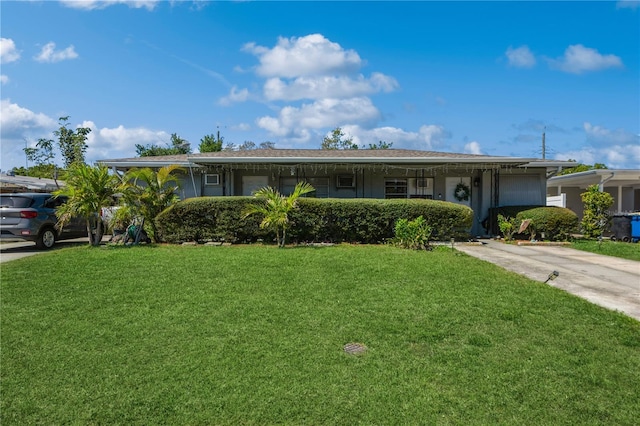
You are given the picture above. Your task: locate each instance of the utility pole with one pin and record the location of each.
(544, 146)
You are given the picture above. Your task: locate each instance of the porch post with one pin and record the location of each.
(619, 199)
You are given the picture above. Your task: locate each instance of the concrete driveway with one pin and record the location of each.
(604, 280)
(17, 250)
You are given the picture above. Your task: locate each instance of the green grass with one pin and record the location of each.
(255, 335)
(610, 248)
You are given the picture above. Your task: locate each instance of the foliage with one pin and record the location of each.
(596, 218)
(557, 223)
(89, 189)
(209, 143)
(337, 140)
(253, 335)
(369, 221)
(381, 145)
(276, 208)
(42, 154)
(147, 192)
(47, 171)
(72, 143)
(462, 192)
(178, 146)
(582, 168)
(508, 226)
(412, 234)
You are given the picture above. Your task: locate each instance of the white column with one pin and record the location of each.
(619, 199)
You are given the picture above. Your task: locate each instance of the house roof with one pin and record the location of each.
(606, 177)
(28, 182)
(297, 156)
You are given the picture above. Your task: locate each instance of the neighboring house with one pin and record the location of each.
(623, 185)
(12, 183)
(394, 173)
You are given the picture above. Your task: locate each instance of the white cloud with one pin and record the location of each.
(327, 86)
(602, 135)
(578, 59)
(119, 142)
(243, 127)
(472, 148)
(8, 51)
(520, 57)
(304, 56)
(18, 124)
(329, 112)
(617, 149)
(49, 53)
(615, 157)
(4, 79)
(102, 4)
(426, 138)
(16, 120)
(628, 4)
(234, 95)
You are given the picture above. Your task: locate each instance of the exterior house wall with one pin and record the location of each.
(371, 183)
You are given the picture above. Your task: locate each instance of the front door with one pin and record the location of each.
(250, 184)
(451, 183)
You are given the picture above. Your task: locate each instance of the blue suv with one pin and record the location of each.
(32, 217)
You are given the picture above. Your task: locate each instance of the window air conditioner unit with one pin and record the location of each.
(346, 181)
(212, 179)
(422, 182)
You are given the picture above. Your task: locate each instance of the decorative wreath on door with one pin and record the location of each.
(462, 192)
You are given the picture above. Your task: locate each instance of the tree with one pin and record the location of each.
(89, 189)
(72, 143)
(267, 145)
(381, 145)
(178, 146)
(247, 146)
(579, 167)
(596, 218)
(275, 210)
(337, 140)
(147, 192)
(209, 143)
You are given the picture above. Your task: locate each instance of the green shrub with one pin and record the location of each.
(557, 223)
(412, 234)
(360, 220)
(596, 219)
(209, 219)
(491, 222)
(508, 226)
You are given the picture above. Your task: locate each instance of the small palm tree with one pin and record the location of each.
(147, 192)
(275, 210)
(88, 189)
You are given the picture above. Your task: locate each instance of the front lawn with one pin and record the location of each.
(610, 248)
(255, 335)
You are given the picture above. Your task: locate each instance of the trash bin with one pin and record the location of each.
(621, 228)
(635, 228)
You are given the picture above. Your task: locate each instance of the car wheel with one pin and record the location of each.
(46, 239)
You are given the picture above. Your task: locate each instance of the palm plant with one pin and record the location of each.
(275, 210)
(147, 192)
(88, 190)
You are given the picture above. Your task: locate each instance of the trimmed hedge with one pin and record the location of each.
(315, 220)
(557, 223)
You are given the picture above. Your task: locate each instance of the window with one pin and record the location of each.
(346, 181)
(321, 184)
(395, 188)
(212, 179)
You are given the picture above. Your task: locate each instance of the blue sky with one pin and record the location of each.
(473, 77)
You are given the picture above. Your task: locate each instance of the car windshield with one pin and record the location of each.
(15, 201)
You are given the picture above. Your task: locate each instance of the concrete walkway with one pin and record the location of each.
(604, 280)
